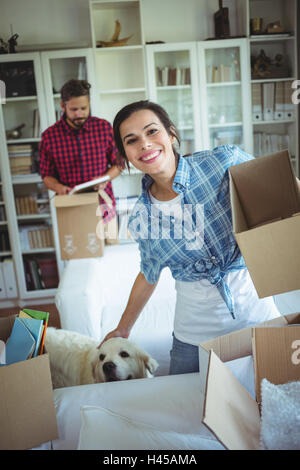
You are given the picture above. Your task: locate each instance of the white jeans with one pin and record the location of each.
(202, 314)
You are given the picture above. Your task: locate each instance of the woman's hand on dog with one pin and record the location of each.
(118, 332)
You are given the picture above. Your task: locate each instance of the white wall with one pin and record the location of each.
(67, 21)
(46, 21)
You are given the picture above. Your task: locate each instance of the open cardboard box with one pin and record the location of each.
(80, 226)
(27, 409)
(265, 203)
(230, 412)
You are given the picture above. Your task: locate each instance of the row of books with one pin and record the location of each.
(36, 236)
(272, 101)
(169, 76)
(27, 336)
(40, 273)
(223, 73)
(4, 241)
(26, 205)
(8, 285)
(20, 158)
(265, 144)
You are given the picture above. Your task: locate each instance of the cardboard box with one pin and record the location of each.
(27, 411)
(229, 411)
(80, 227)
(265, 203)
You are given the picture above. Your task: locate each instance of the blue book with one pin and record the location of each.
(36, 329)
(20, 344)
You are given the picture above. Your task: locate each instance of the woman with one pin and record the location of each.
(182, 220)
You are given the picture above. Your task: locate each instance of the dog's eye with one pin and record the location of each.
(124, 354)
(101, 357)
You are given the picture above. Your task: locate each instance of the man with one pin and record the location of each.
(79, 148)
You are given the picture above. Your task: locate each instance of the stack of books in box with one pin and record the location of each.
(27, 336)
(20, 158)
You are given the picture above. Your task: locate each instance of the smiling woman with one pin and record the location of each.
(215, 294)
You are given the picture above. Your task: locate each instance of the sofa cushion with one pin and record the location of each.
(102, 429)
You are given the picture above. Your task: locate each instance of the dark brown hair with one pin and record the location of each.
(131, 108)
(74, 88)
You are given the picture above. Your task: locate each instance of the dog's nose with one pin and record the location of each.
(109, 367)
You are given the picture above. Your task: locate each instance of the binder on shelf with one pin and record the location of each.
(257, 110)
(7, 268)
(2, 286)
(279, 101)
(268, 101)
(289, 107)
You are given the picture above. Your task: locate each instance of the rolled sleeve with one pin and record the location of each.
(230, 155)
(150, 267)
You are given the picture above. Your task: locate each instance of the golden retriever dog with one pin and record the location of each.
(75, 359)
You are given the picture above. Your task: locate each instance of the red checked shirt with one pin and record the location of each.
(76, 156)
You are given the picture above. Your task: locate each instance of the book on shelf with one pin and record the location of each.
(36, 236)
(41, 273)
(279, 101)
(4, 241)
(36, 123)
(268, 101)
(9, 278)
(79, 188)
(266, 143)
(289, 107)
(171, 76)
(2, 214)
(257, 109)
(26, 205)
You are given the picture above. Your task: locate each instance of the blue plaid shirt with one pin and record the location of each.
(205, 248)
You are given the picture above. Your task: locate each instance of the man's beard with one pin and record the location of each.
(78, 122)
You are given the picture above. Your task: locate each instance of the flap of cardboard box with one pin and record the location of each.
(26, 407)
(76, 200)
(239, 343)
(229, 411)
(276, 353)
(263, 189)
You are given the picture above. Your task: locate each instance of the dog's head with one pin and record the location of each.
(120, 359)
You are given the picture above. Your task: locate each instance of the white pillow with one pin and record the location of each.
(102, 429)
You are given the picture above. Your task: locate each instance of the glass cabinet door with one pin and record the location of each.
(223, 91)
(60, 67)
(173, 85)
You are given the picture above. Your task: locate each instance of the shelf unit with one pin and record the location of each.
(224, 93)
(173, 83)
(22, 184)
(120, 71)
(275, 128)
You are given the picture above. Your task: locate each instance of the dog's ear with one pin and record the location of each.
(150, 364)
